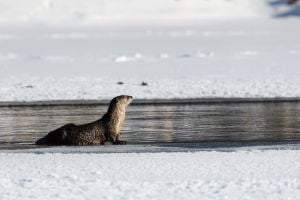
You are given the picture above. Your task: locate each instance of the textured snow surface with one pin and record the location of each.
(214, 60)
(204, 175)
(78, 88)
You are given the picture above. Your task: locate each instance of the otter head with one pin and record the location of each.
(121, 101)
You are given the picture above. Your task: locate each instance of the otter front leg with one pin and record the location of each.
(120, 142)
(115, 140)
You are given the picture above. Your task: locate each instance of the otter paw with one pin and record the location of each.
(120, 142)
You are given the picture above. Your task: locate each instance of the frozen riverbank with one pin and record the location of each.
(94, 50)
(193, 61)
(84, 88)
(240, 174)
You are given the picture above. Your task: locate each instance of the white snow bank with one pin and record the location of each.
(201, 175)
(217, 60)
(77, 12)
(89, 88)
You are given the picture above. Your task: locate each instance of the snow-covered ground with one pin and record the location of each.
(204, 175)
(63, 50)
(193, 61)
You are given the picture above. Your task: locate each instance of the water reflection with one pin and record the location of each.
(163, 123)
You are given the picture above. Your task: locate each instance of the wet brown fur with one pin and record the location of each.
(105, 130)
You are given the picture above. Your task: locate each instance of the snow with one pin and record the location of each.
(80, 50)
(241, 174)
(85, 88)
(46, 53)
(95, 12)
(192, 61)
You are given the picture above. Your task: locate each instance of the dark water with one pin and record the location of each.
(162, 123)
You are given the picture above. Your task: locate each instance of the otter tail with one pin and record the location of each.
(50, 138)
(42, 141)
(56, 137)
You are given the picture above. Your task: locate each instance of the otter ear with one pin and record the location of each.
(114, 100)
(118, 100)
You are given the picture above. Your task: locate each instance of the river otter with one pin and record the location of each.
(105, 130)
